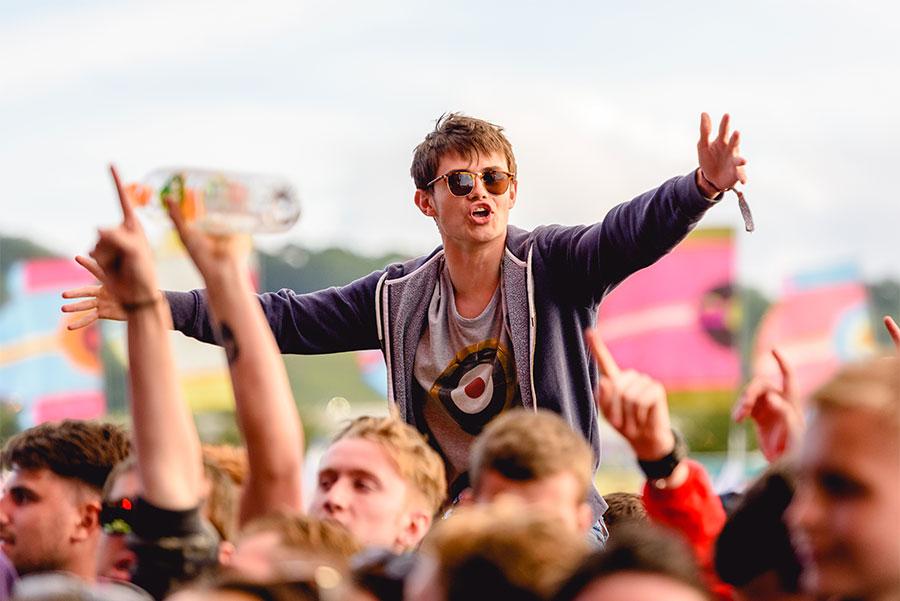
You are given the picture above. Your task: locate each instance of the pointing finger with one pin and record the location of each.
(788, 385)
(893, 329)
(127, 211)
(604, 358)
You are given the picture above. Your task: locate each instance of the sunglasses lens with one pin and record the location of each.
(461, 183)
(495, 182)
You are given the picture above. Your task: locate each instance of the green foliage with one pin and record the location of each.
(303, 270)
(13, 250)
(884, 299)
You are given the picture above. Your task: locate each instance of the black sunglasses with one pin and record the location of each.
(462, 182)
(115, 516)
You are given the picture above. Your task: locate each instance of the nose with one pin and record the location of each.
(478, 190)
(335, 498)
(805, 511)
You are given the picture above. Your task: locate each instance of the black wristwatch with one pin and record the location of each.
(664, 466)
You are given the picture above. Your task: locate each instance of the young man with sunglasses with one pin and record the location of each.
(494, 317)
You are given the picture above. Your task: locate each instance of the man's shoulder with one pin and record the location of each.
(402, 269)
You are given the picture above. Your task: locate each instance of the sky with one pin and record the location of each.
(600, 100)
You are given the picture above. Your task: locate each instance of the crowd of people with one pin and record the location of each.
(479, 484)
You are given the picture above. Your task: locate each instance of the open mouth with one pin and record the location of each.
(481, 212)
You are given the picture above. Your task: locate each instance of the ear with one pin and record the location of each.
(226, 552)
(585, 517)
(424, 201)
(414, 530)
(88, 521)
(513, 192)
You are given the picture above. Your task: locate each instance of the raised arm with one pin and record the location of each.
(266, 411)
(590, 260)
(165, 439)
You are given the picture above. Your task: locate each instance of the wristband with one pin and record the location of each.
(143, 304)
(663, 467)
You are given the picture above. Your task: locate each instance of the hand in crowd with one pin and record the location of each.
(217, 257)
(720, 161)
(775, 410)
(633, 403)
(123, 262)
(100, 303)
(894, 331)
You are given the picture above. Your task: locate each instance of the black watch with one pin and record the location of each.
(664, 466)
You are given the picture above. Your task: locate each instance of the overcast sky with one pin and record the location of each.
(600, 102)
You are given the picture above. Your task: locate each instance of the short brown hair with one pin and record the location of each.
(85, 451)
(524, 445)
(419, 465)
(303, 533)
(457, 134)
(231, 458)
(623, 508)
(521, 553)
(872, 386)
(638, 548)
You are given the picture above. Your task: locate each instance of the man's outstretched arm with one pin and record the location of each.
(591, 260)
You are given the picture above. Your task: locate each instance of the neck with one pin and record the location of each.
(475, 274)
(83, 564)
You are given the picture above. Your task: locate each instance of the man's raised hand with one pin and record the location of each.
(633, 403)
(720, 162)
(775, 410)
(124, 258)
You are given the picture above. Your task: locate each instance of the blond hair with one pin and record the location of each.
(306, 534)
(872, 386)
(522, 445)
(419, 465)
(504, 545)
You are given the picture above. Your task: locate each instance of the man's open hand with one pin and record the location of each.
(100, 304)
(720, 160)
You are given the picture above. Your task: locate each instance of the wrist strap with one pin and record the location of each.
(142, 304)
(746, 215)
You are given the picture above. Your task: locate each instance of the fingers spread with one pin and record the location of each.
(81, 321)
(723, 128)
(734, 142)
(91, 266)
(84, 305)
(705, 128)
(83, 292)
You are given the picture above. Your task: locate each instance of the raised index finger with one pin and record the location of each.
(127, 210)
(787, 375)
(605, 360)
(893, 329)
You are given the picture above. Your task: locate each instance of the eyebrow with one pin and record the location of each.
(356, 473)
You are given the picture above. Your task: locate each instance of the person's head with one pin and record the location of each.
(220, 498)
(268, 543)
(381, 480)
(122, 488)
(537, 457)
(469, 208)
(641, 563)
(624, 508)
(845, 515)
(505, 550)
(50, 508)
(753, 552)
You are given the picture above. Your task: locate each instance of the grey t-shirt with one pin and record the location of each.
(464, 375)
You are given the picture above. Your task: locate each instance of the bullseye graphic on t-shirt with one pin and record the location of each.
(477, 385)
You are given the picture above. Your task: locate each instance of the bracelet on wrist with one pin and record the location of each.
(142, 304)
